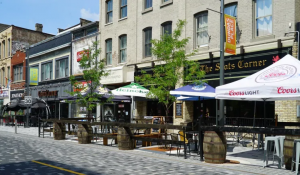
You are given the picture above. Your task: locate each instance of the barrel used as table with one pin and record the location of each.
(288, 150)
(214, 147)
(124, 141)
(85, 134)
(59, 130)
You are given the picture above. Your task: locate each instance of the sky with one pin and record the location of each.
(52, 14)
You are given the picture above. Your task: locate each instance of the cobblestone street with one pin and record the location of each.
(27, 154)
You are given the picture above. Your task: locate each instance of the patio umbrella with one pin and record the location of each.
(194, 92)
(280, 81)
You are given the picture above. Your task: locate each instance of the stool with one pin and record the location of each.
(266, 150)
(281, 144)
(296, 151)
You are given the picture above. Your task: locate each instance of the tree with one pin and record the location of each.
(174, 67)
(93, 71)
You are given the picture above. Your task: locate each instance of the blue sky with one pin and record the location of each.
(52, 14)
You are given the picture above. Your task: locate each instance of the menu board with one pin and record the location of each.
(178, 109)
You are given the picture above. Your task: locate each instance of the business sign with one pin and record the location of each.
(230, 30)
(18, 94)
(113, 77)
(47, 93)
(34, 76)
(4, 93)
(81, 53)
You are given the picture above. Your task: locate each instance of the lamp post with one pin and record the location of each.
(27, 84)
(221, 114)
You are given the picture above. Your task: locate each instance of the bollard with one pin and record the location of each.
(16, 125)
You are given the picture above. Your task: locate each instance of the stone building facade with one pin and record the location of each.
(257, 35)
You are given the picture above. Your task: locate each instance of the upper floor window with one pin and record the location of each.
(46, 71)
(61, 68)
(8, 73)
(263, 17)
(3, 76)
(123, 8)
(18, 72)
(202, 37)
(3, 49)
(0, 50)
(8, 46)
(91, 30)
(78, 35)
(123, 48)
(109, 11)
(147, 42)
(109, 51)
(148, 4)
(167, 28)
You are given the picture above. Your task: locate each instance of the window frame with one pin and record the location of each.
(51, 70)
(57, 63)
(108, 12)
(196, 18)
(8, 47)
(3, 51)
(145, 44)
(3, 76)
(121, 49)
(17, 72)
(91, 31)
(122, 7)
(8, 72)
(145, 3)
(163, 25)
(81, 34)
(255, 20)
(107, 52)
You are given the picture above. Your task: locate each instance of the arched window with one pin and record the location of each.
(123, 48)
(108, 49)
(147, 41)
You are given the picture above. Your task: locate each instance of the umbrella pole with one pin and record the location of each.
(59, 110)
(254, 114)
(132, 104)
(264, 113)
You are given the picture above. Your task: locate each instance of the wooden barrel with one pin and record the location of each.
(214, 147)
(288, 150)
(85, 134)
(124, 141)
(59, 131)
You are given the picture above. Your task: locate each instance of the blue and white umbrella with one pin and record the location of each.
(194, 92)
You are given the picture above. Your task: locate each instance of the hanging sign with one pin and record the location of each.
(34, 76)
(230, 30)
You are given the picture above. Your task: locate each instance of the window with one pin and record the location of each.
(109, 11)
(263, 17)
(47, 71)
(202, 37)
(61, 68)
(231, 10)
(78, 35)
(123, 48)
(8, 73)
(91, 30)
(18, 72)
(167, 28)
(3, 76)
(3, 49)
(148, 38)
(148, 4)
(0, 50)
(123, 8)
(108, 51)
(8, 46)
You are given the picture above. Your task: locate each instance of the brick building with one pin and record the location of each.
(19, 70)
(12, 39)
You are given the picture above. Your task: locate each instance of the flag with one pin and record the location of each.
(230, 30)
(8, 84)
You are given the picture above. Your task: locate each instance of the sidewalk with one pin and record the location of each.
(250, 160)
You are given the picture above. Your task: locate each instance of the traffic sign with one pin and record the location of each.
(28, 100)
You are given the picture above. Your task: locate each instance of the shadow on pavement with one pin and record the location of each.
(31, 167)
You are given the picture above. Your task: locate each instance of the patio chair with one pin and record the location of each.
(174, 137)
(188, 140)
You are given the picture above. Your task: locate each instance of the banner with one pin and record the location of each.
(230, 30)
(34, 76)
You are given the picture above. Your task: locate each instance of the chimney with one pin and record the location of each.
(39, 27)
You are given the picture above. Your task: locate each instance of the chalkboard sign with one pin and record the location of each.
(156, 120)
(178, 109)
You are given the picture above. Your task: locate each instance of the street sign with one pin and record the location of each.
(28, 100)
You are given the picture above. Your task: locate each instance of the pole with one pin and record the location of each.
(16, 123)
(222, 117)
(27, 84)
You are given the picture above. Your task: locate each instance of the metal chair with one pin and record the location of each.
(174, 137)
(268, 141)
(296, 151)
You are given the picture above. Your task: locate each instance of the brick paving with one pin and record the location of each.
(18, 150)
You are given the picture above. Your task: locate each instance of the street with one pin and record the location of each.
(24, 154)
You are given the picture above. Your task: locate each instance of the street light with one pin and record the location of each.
(27, 84)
